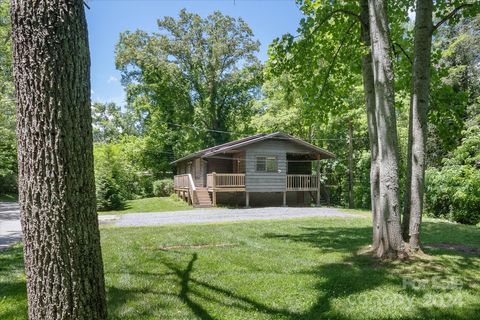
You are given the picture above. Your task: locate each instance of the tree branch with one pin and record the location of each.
(331, 14)
(451, 14)
(330, 68)
(351, 13)
(403, 51)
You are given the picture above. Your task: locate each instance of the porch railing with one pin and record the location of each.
(225, 180)
(302, 182)
(185, 182)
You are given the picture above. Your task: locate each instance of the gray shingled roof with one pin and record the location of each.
(205, 153)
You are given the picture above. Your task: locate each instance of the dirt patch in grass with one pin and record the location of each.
(196, 246)
(454, 247)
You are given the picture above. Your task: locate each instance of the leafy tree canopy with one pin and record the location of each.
(8, 158)
(193, 80)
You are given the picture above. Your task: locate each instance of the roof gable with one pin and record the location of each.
(205, 153)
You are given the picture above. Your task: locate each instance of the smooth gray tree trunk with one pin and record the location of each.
(419, 110)
(63, 261)
(369, 90)
(390, 236)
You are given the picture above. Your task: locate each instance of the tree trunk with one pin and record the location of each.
(390, 237)
(419, 107)
(350, 164)
(369, 89)
(408, 180)
(63, 260)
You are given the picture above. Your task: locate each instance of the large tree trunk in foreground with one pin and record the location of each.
(419, 108)
(369, 89)
(390, 242)
(63, 260)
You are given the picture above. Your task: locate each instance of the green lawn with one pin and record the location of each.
(152, 205)
(295, 269)
(8, 198)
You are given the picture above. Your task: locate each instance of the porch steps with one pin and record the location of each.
(202, 198)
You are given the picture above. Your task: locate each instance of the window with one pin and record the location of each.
(266, 164)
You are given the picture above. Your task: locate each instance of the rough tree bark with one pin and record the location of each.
(369, 89)
(390, 242)
(418, 114)
(63, 260)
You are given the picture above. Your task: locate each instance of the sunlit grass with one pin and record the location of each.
(156, 204)
(295, 269)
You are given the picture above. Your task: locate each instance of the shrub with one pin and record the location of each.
(109, 194)
(453, 191)
(163, 188)
(145, 186)
(8, 184)
(115, 182)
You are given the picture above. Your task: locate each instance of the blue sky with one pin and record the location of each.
(107, 18)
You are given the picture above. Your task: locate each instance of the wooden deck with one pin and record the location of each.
(226, 182)
(235, 182)
(302, 182)
(185, 187)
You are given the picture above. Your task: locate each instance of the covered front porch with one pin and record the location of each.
(227, 174)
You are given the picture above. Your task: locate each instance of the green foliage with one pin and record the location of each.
(8, 149)
(126, 166)
(190, 82)
(110, 195)
(455, 86)
(110, 124)
(322, 69)
(453, 191)
(163, 188)
(115, 177)
(315, 80)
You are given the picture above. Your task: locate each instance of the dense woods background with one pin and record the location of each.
(197, 82)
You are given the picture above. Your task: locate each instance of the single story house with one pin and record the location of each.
(263, 169)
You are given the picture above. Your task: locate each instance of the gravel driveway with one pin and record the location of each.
(10, 229)
(221, 215)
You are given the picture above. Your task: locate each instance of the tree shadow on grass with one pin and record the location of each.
(358, 273)
(352, 275)
(200, 288)
(349, 276)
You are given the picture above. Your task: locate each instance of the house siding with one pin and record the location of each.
(268, 181)
(254, 181)
(223, 165)
(196, 167)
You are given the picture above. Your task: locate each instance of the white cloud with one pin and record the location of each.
(112, 79)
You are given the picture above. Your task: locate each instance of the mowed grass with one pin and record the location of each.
(156, 204)
(8, 197)
(294, 269)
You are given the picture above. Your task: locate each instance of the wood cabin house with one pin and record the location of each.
(264, 169)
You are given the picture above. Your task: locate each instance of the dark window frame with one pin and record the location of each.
(266, 166)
